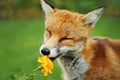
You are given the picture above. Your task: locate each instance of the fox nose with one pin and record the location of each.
(45, 51)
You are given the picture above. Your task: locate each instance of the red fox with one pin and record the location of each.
(67, 39)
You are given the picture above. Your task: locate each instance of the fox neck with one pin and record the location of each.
(73, 66)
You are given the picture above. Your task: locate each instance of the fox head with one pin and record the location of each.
(66, 31)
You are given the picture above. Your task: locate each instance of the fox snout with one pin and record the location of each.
(45, 51)
(51, 52)
(56, 52)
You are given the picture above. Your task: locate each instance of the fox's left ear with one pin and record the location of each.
(92, 17)
(47, 7)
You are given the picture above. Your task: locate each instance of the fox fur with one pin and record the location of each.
(81, 57)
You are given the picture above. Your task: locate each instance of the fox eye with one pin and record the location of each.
(48, 33)
(65, 38)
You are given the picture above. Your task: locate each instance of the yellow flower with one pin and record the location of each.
(46, 64)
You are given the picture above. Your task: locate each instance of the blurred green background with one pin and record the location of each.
(22, 27)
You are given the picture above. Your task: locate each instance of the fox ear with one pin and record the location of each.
(92, 17)
(47, 7)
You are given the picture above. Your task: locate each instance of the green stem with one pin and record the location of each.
(39, 67)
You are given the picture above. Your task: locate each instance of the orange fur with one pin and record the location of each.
(66, 28)
(104, 59)
(97, 51)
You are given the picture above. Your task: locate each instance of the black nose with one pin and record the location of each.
(45, 51)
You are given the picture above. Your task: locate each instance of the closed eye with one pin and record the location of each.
(48, 30)
(65, 38)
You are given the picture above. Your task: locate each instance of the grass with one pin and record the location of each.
(107, 27)
(20, 41)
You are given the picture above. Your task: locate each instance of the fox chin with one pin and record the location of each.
(81, 57)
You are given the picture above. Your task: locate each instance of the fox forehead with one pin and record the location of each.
(60, 17)
(63, 21)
